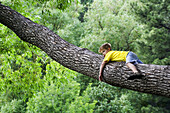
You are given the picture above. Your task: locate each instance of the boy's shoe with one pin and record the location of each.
(136, 75)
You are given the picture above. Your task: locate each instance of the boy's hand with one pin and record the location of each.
(100, 77)
(101, 70)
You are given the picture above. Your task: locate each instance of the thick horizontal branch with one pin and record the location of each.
(156, 80)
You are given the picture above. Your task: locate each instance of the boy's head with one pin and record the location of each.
(105, 46)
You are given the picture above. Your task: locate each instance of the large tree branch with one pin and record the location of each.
(157, 80)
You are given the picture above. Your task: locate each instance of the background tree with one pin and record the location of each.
(155, 38)
(26, 73)
(109, 98)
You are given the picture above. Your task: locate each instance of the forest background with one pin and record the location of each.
(30, 81)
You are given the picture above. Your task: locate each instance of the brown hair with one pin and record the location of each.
(104, 46)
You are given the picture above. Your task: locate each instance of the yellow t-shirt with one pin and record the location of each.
(116, 56)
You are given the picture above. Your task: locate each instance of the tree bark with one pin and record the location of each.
(156, 80)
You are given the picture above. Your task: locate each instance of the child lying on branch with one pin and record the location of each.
(129, 57)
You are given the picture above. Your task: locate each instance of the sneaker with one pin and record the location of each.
(136, 75)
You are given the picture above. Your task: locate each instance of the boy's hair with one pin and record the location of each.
(104, 46)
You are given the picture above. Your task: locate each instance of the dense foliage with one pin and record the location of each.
(32, 82)
(155, 38)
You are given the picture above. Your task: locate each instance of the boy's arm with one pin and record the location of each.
(101, 69)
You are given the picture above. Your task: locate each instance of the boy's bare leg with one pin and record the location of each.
(132, 67)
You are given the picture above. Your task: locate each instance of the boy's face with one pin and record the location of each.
(105, 51)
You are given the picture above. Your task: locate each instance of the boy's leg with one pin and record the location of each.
(132, 67)
(139, 61)
(136, 75)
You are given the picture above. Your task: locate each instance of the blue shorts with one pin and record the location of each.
(132, 58)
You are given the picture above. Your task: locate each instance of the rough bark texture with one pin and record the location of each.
(156, 80)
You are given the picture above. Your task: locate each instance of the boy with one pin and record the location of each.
(130, 58)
